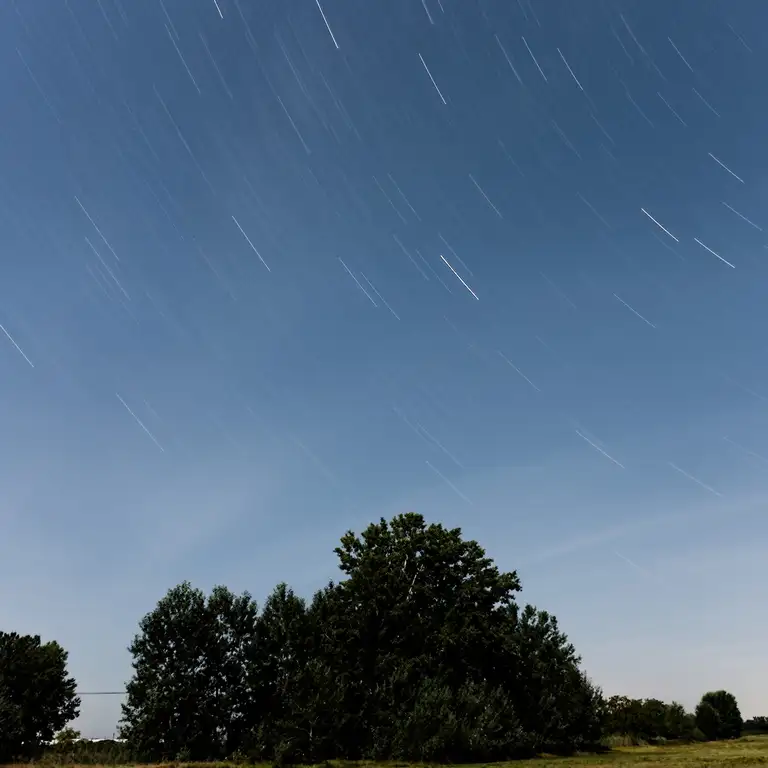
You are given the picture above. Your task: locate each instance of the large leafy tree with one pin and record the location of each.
(194, 693)
(417, 601)
(37, 697)
(419, 652)
(420, 603)
(422, 591)
(718, 715)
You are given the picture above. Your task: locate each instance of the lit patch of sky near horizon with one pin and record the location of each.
(267, 275)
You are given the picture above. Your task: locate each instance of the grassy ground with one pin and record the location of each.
(750, 750)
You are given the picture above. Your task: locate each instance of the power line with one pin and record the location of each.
(99, 693)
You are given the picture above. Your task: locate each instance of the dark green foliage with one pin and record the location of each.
(756, 725)
(540, 668)
(193, 694)
(649, 720)
(36, 696)
(718, 715)
(680, 724)
(419, 653)
(708, 720)
(477, 721)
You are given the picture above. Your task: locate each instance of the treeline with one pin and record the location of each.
(419, 653)
(756, 725)
(717, 716)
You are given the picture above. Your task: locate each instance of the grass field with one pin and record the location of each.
(750, 750)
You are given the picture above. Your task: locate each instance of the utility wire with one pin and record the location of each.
(99, 693)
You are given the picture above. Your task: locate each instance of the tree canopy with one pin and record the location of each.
(420, 651)
(37, 698)
(718, 715)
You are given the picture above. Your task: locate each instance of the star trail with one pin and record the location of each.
(269, 267)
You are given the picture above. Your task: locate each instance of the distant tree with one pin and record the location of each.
(623, 716)
(653, 715)
(756, 725)
(648, 719)
(728, 724)
(193, 694)
(680, 724)
(37, 698)
(708, 720)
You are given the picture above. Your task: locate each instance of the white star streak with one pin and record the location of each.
(663, 229)
(487, 199)
(140, 422)
(707, 248)
(743, 218)
(599, 449)
(568, 66)
(459, 277)
(677, 51)
(723, 165)
(509, 61)
(694, 479)
(381, 298)
(634, 311)
(18, 348)
(541, 71)
(432, 79)
(449, 483)
(517, 370)
(746, 450)
(101, 235)
(357, 282)
(328, 26)
(255, 249)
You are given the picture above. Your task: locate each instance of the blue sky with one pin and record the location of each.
(262, 280)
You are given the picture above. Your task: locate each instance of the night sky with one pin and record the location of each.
(272, 269)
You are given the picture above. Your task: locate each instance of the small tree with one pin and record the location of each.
(708, 720)
(729, 718)
(37, 699)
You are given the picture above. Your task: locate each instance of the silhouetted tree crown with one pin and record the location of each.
(718, 715)
(419, 652)
(37, 698)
